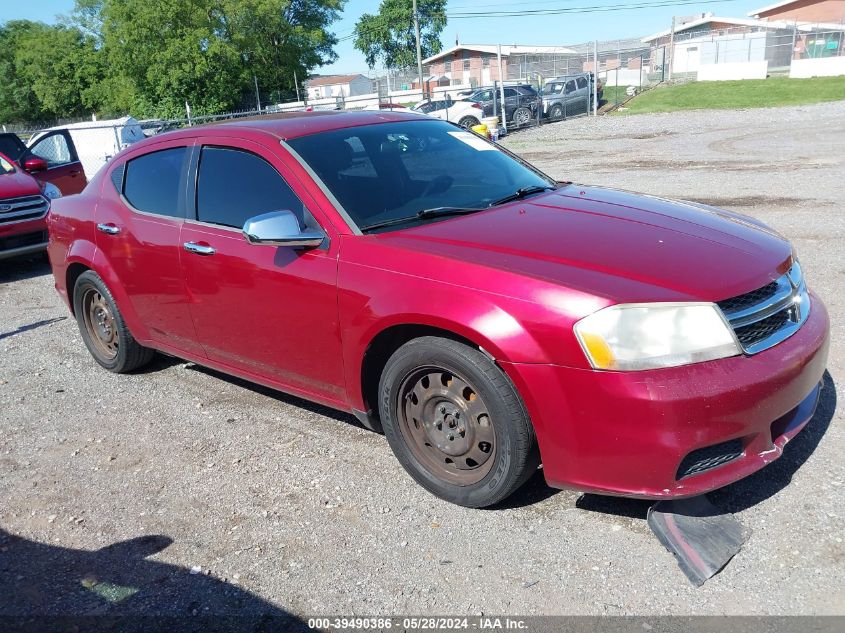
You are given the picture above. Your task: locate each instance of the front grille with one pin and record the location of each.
(23, 209)
(749, 335)
(750, 298)
(768, 315)
(709, 457)
(21, 241)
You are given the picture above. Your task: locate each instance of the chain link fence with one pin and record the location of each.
(537, 85)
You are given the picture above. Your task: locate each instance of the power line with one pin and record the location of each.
(585, 9)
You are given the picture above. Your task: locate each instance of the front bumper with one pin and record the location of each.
(628, 433)
(23, 238)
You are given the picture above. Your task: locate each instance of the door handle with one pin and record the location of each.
(198, 249)
(108, 229)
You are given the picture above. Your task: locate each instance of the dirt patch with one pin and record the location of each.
(770, 202)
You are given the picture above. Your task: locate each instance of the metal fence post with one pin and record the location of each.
(595, 77)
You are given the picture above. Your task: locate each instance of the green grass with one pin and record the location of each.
(729, 95)
(614, 94)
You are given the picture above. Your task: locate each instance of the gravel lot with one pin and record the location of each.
(286, 505)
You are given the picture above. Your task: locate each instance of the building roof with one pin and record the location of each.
(776, 5)
(333, 80)
(510, 49)
(680, 28)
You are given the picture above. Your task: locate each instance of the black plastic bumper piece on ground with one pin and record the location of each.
(702, 537)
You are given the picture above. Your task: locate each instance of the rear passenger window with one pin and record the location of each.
(582, 83)
(570, 87)
(151, 183)
(235, 185)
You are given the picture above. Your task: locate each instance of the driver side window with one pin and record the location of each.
(54, 149)
(235, 185)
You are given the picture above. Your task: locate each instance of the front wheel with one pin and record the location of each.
(556, 111)
(102, 327)
(455, 422)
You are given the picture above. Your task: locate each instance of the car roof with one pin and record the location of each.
(287, 125)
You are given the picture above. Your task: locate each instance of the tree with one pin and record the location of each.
(209, 52)
(62, 69)
(46, 72)
(389, 35)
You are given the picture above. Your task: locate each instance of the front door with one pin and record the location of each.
(267, 310)
(63, 167)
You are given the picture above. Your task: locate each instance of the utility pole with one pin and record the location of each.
(595, 78)
(671, 48)
(296, 84)
(503, 121)
(257, 96)
(419, 48)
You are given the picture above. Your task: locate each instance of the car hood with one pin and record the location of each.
(611, 243)
(18, 183)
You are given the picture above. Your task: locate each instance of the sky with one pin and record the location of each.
(544, 30)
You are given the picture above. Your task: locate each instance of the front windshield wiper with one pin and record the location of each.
(436, 212)
(440, 212)
(523, 192)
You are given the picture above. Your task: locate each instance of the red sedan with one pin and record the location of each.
(487, 317)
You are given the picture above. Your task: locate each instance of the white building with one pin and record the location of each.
(338, 86)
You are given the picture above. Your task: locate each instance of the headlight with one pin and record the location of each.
(632, 337)
(51, 191)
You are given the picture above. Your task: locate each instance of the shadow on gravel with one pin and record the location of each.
(755, 488)
(19, 269)
(279, 395)
(49, 588)
(31, 326)
(534, 491)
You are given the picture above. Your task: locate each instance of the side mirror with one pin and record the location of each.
(35, 164)
(280, 228)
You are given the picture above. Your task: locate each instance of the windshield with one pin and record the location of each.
(395, 170)
(5, 167)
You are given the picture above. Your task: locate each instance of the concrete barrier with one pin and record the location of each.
(821, 67)
(733, 70)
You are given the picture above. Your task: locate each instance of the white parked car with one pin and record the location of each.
(464, 113)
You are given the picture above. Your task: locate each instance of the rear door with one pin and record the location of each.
(584, 94)
(139, 218)
(267, 310)
(63, 167)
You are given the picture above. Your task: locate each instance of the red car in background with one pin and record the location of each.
(487, 317)
(51, 159)
(23, 211)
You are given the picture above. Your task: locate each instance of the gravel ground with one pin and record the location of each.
(280, 504)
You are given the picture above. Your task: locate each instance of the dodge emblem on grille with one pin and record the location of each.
(795, 311)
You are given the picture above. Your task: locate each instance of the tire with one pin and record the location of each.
(468, 121)
(556, 111)
(521, 116)
(476, 459)
(103, 329)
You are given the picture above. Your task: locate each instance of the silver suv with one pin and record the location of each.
(568, 95)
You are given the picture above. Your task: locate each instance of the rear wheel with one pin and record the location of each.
(102, 327)
(455, 422)
(468, 122)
